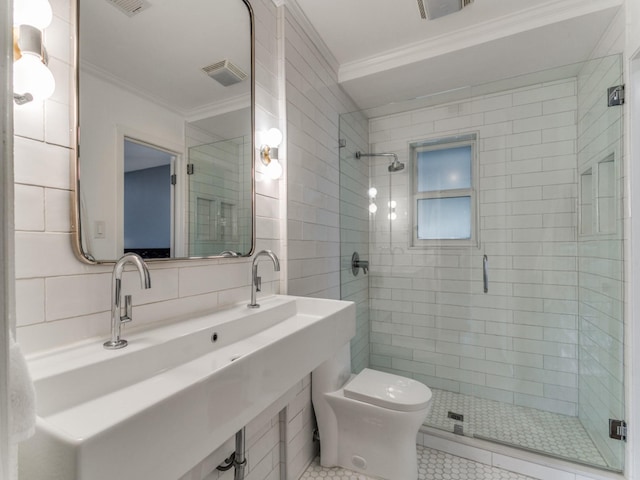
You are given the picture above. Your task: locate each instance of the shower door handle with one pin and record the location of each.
(485, 273)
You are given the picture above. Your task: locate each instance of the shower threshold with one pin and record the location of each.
(548, 433)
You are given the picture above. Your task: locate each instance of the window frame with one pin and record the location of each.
(443, 143)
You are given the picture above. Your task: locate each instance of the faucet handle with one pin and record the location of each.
(258, 281)
(128, 310)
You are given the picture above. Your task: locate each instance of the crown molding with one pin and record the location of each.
(218, 108)
(507, 25)
(311, 32)
(190, 115)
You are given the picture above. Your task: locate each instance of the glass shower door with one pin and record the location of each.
(600, 255)
(550, 217)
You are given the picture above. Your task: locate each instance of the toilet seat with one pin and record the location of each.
(388, 391)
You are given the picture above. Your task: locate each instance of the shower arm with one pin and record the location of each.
(395, 166)
(360, 154)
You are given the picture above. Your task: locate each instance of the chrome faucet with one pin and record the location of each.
(256, 281)
(117, 319)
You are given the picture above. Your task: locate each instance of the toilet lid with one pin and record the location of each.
(388, 391)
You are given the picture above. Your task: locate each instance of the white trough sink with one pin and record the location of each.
(159, 406)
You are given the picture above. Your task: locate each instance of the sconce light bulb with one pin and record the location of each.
(372, 192)
(32, 76)
(392, 216)
(373, 208)
(392, 204)
(273, 137)
(32, 12)
(274, 169)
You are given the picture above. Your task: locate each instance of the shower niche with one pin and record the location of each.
(598, 205)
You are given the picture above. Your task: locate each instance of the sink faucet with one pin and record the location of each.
(116, 301)
(256, 281)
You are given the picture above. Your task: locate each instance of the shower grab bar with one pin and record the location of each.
(485, 273)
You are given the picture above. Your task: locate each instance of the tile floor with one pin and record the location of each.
(551, 433)
(432, 465)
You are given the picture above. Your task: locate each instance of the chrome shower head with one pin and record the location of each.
(396, 166)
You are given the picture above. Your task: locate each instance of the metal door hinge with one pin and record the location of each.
(189, 168)
(174, 179)
(618, 429)
(615, 95)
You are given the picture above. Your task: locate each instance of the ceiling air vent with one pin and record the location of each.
(225, 72)
(130, 7)
(433, 9)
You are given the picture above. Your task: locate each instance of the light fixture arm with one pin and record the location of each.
(268, 153)
(22, 99)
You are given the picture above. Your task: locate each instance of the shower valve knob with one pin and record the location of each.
(357, 264)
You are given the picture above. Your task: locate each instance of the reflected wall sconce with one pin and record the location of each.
(372, 192)
(32, 79)
(392, 210)
(271, 140)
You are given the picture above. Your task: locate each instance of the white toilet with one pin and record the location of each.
(368, 422)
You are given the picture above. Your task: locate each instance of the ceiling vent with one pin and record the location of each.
(225, 73)
(433, 9)
(130, 7)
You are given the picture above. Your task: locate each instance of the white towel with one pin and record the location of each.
(22, 409)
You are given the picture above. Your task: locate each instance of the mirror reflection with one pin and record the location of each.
(165, 138)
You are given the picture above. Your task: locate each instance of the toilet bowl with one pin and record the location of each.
(368, 422)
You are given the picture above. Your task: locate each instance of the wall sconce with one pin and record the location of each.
(269, 152)
(32, 79)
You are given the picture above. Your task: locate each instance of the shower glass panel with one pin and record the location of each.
(354, 229)
(219, 199)
(536, 361)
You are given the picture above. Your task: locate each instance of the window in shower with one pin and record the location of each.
(443, 191)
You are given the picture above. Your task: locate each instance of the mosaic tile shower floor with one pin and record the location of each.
(432, 465)
(546, 432)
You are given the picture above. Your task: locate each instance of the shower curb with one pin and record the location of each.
(508, 458)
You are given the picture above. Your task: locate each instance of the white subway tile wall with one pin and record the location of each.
(314, 103)
(430, 318)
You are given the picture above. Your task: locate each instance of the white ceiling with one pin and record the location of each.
(384, 52)
(160, 52)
